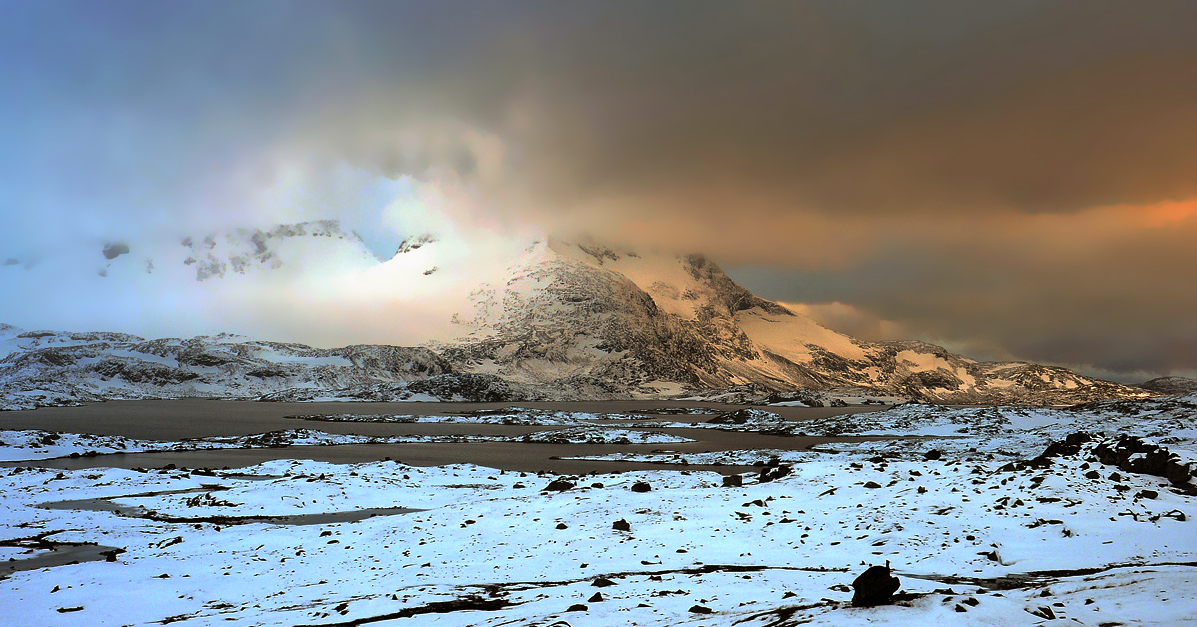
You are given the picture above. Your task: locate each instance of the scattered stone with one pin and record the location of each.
(875, 587)
(641, 486)
(597, 597)
(558, 485)
(872, 485)
(621, 525)
(562, 526)
(1043, 611)
(700, 609)
(932, 455)
(733, 481)
(602, 582)
(577, 607)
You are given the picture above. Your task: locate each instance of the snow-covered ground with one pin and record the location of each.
(27, 445)
(1072, 540)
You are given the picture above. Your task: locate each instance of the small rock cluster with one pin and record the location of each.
(1132, 454)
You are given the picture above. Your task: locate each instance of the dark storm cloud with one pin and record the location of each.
(867, 107)
(902, 155)
(835, 106)
(1107, 291)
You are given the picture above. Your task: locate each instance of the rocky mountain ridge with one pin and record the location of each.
(669, 324)
(571, 320)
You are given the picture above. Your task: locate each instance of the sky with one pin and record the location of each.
(1012, 180)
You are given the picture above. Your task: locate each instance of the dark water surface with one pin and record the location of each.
(196, 418)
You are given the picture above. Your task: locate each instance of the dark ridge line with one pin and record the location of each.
(695, 570)
(287, 519)
(437, 607)
(497, 588)
(1030, 580)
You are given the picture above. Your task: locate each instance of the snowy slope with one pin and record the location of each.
(45, 368)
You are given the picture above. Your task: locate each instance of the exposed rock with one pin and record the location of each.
(1132, 454)
(876, 586)
(558, 485)
(641, 486)
(602, 582)
(597, 597)
(772, 473)
(733, 481)
(1069, 446)
(621, 525)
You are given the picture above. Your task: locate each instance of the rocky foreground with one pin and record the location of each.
(987, 516)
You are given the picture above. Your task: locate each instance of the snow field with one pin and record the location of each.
(482, 534)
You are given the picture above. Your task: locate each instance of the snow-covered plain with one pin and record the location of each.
(1075, 542)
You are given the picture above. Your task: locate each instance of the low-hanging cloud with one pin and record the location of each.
(968, 171)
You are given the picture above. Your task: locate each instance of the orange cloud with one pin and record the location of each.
(1165, 213)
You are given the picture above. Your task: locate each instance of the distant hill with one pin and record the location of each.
(1171, 385)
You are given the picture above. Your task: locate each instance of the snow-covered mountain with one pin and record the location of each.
(669, 324)
(542, 320)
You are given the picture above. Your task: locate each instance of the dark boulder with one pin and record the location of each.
(641, 486)
(558, 485)
(1067, 447)
(621, 525)
(876, 586)
(733, 481)
(770, 473)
